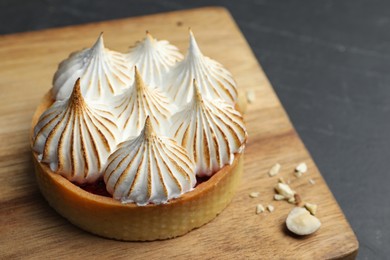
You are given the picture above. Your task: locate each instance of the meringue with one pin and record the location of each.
(103, 73)
(75, 138)
(149, 169)
(153, 59)
(212, 131)
(138, 102)
(133, 100)
(213, 79)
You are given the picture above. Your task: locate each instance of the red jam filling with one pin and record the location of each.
(99, 187)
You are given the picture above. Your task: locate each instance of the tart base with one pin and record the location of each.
(110, 218)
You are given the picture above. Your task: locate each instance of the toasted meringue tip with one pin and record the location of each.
(193, 45)
(149, 37)
(77, 96)
(99, 44)
(148, 128)
(139, 82)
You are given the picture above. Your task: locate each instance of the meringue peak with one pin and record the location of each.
(149, 39)
(150, 169)
(103, 73)
(212, 131)
(193, 48)
(214, 81)
(153, 58)
(139, 102)
(75, 137)
(98, 47)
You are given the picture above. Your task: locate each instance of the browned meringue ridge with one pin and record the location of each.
(110, 218)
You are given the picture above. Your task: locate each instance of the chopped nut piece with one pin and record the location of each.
(278, 197)
(302, 167)
(281, 180)
(274, 170)
(254, 194)
(312, 182)
(291, 200)
(300, 222)
(285, 190)
(259, 209)
(298, 199)
(250, 96)
(312, 208)
(270, 208)
(298, 174)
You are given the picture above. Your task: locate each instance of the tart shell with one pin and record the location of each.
(110, 218)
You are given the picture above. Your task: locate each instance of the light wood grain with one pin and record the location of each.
(29, 228)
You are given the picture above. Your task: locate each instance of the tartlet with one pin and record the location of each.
(160, 212)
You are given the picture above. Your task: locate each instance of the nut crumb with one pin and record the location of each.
(301, 222)
(278, 197)
(259, 209)
(312, 208)
(302, 167)
(270, 208)
(291, 200)
(274, 170)
(254, 194)
(298, 199)
(298, 174)
(284, 190)
(312, 182)
(250, 96)
(281, 180)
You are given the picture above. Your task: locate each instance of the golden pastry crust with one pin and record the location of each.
(110, 218)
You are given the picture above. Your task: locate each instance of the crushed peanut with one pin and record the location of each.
(250, 96)
(302, 168)
(284, 190)
(312, 182)
(270, 208)
(254, 194)
(291, 200)
(278, 197)
(298, 174)
(274, 170)
(298, 199)
(259, 209)
(301, 222)
(312, 208)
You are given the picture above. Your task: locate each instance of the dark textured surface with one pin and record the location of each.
(328, 62)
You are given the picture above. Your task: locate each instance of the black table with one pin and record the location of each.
(329, 62)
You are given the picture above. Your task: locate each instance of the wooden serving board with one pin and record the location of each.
(29, 228)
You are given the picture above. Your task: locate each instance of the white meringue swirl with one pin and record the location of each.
(153, 59)
(75, 138)
(138, 102)
(213, 79)
(212, 131)
(103, 73)
(149, 169)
